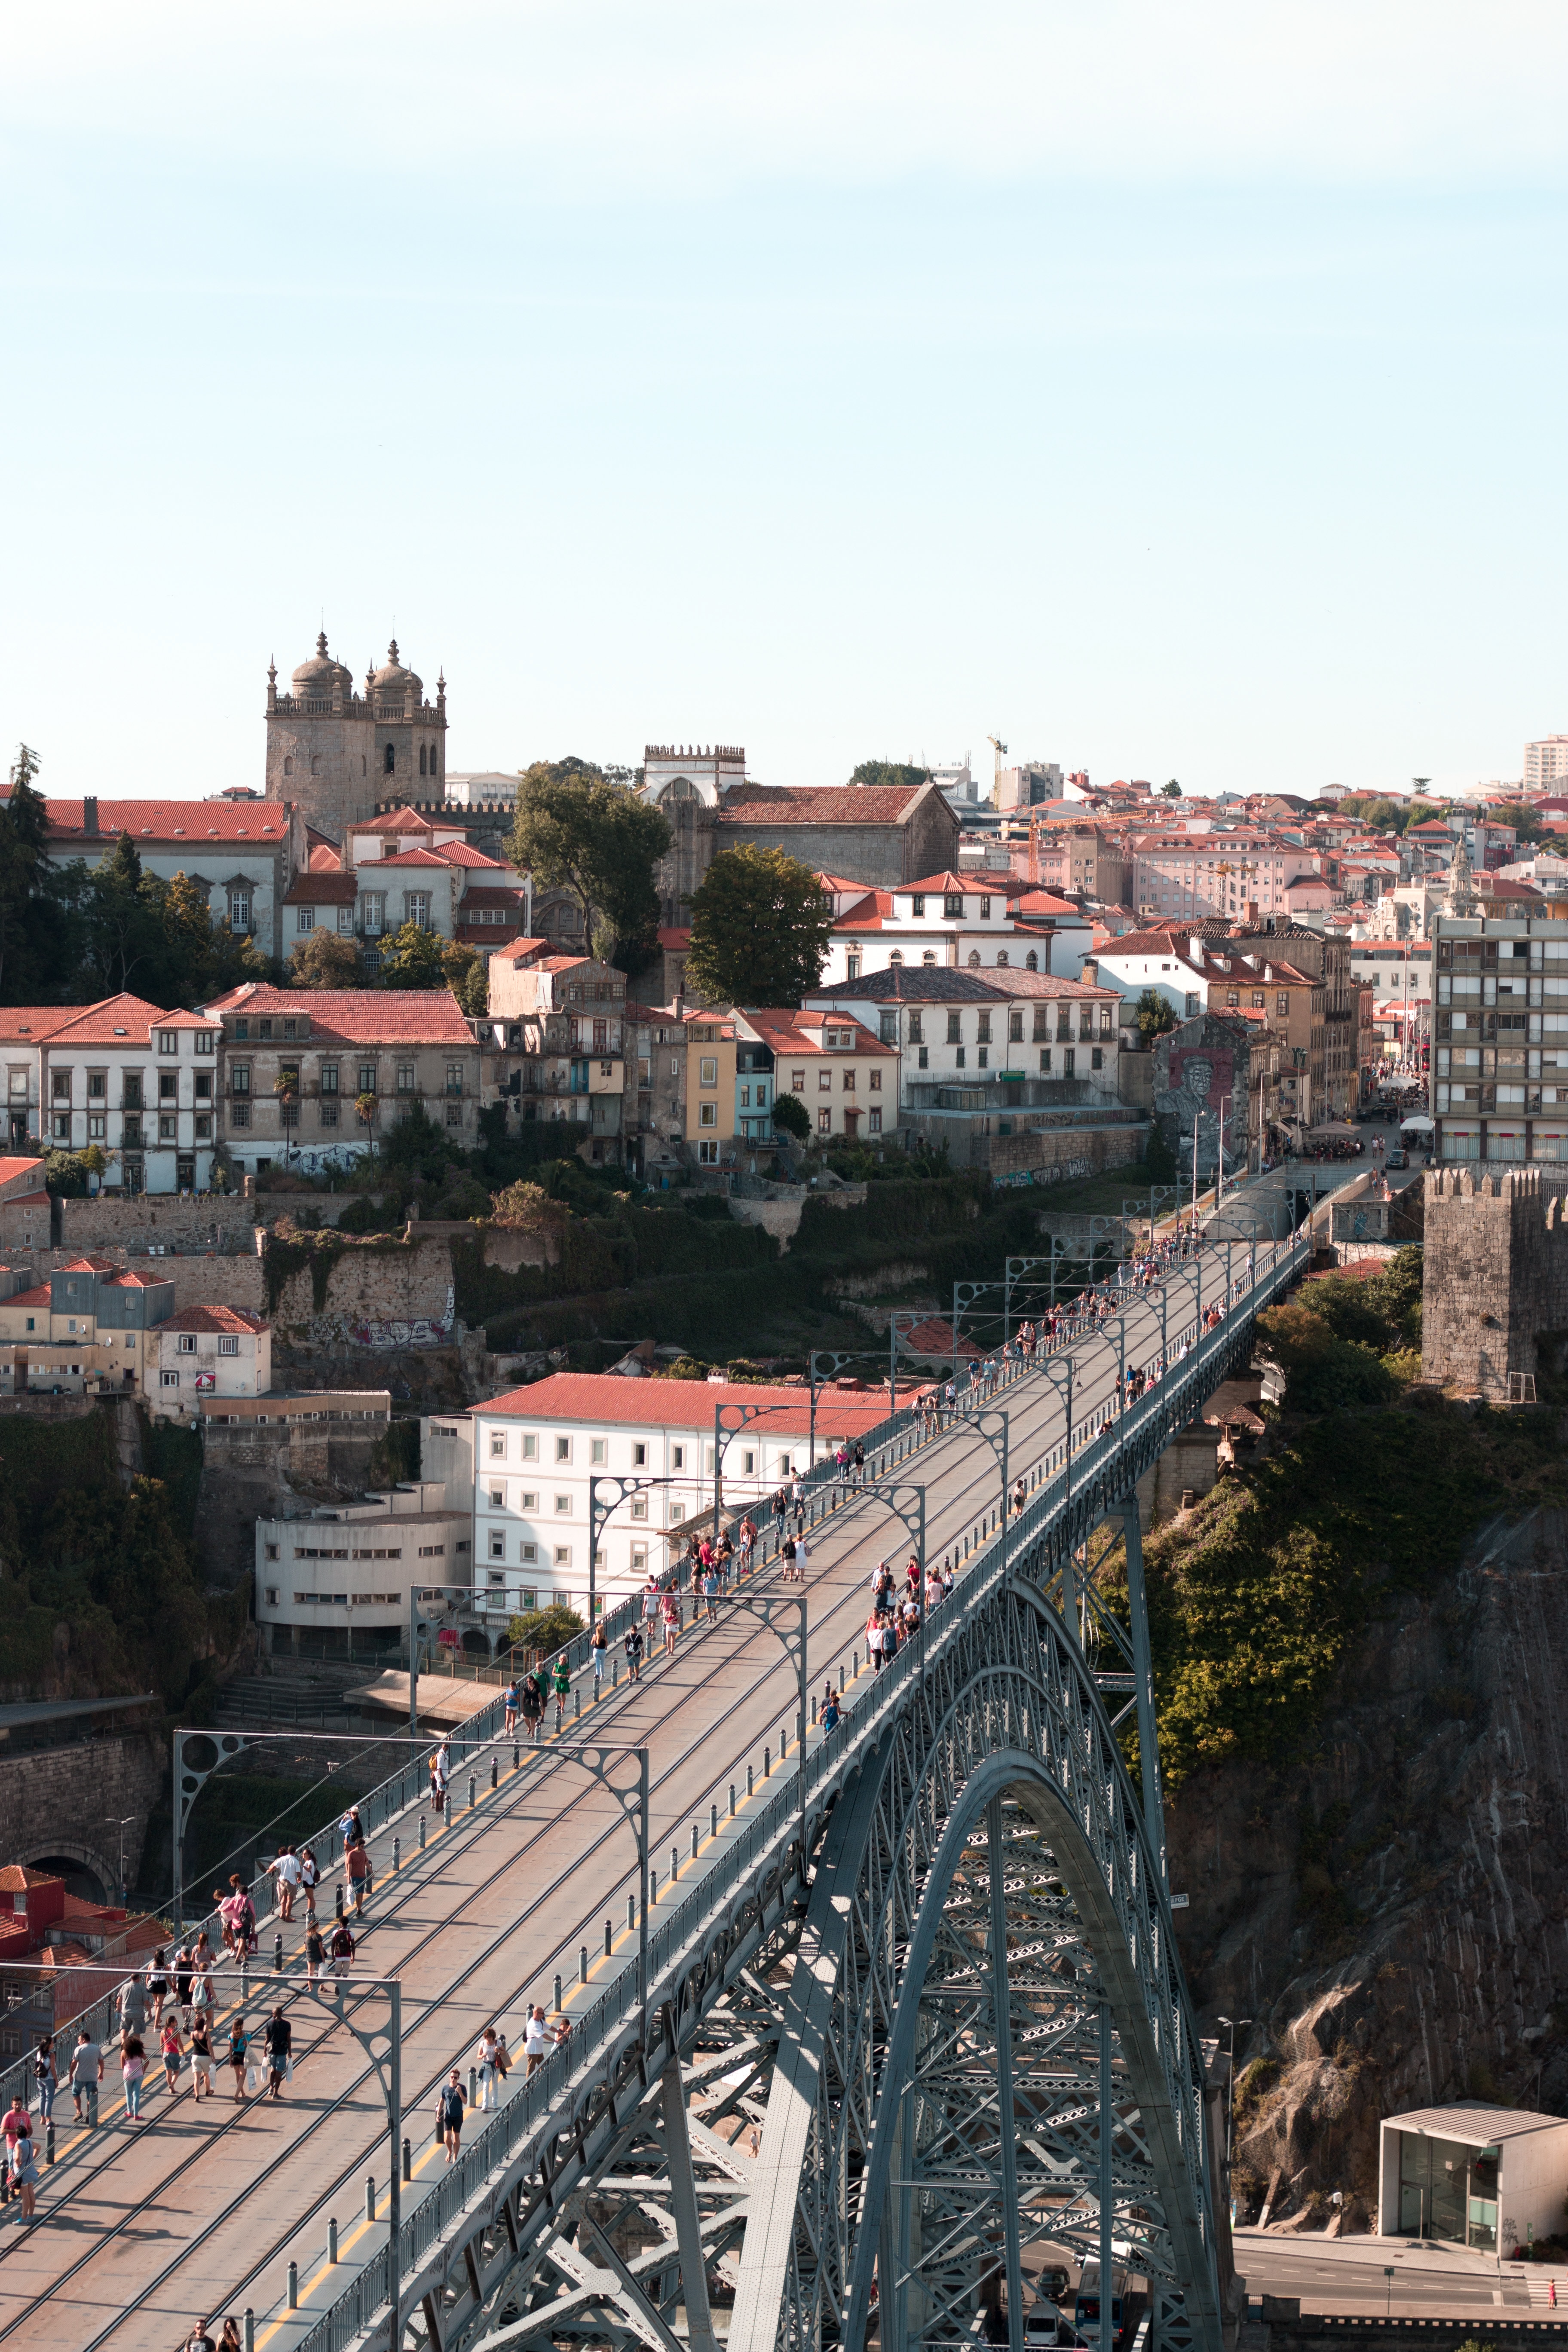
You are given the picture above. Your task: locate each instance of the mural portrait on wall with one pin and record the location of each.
(1202, 1078)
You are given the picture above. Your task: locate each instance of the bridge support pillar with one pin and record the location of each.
(1144, 1682)
(683, 2197)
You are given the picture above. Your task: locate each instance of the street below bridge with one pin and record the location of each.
(1347, 2277)
(198, 2211)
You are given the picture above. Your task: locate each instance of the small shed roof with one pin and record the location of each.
(1477, 2125)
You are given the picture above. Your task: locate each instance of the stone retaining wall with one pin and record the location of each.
(200, 1224)
(67, 1803)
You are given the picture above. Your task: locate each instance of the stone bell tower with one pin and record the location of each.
(339, 755)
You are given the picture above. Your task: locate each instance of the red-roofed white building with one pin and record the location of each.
(960, 921)
(208, 1351)
(139, 1083)
(299, 1062)
(243, 853)
(85, 1327)
(844, 1078)
(536, 1448)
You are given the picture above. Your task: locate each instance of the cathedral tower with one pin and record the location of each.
(339, 754)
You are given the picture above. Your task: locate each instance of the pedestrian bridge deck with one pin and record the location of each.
(199, 2209)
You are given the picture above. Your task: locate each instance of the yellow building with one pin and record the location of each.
(709, 1086)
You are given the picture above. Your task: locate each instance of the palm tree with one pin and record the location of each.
(365, 1106)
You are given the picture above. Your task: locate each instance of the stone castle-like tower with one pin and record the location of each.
(339, 755)
(1494, 1276)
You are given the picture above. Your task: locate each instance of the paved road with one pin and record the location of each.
(1346, 2275)
(198, 2210)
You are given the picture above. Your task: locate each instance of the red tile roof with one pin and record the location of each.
(800, 1033)
(38, 1298)
(11, 1168)
(405, 859)
(489, 894)
(99, 1023)
(34, 1020)
(355, 1016)
(764, 805)
(326, 858)
(463, 853)
(192, 821)
(15, 1878)
(215, 1318)
(867, 914)
(522, 950)
(399, 820)
(970, 884)
(675, 942)
(322, 890)
(607, 1397)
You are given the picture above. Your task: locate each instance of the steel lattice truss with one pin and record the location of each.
(840, 2067)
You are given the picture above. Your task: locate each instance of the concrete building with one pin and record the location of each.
(335, 754)
(207, 1353)
(242, 854)
(1027, 785)
(337, 1578)
(298, 1063)
(1191, 870)
(1499, 1038)
(1486, 2178)
(1546, 763)
(125, 1075)
(535, 1450)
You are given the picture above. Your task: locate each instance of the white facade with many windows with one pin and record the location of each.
(536, 1451)
(340, 1578)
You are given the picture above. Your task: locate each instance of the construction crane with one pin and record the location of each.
(1001, 750)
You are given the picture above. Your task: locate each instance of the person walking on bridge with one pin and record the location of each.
(633, 1646)
(599, 1643)
(449, 2106)
(86, 2074)
(560, 1682)
(532, 1704)
(509, 1702)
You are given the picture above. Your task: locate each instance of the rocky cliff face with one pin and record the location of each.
(1391, 1909)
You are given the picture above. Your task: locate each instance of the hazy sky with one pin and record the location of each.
(1168, 391)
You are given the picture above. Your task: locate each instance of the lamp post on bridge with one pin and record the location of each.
(624, 1487)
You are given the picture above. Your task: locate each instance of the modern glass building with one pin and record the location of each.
(1486, 2178)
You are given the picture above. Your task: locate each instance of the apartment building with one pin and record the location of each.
(311, 1075)
(1088, 859)
(537, 1451)
(1002, 1040)
(1500, 1039)
(1190, 873)
(557, 1022)
(1546, 763)
(834, 1064)
(87, 1328)
(242, 852)
(711, 1093)
(139, 1083)
(341, 1576)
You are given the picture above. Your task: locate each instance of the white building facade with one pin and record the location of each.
(334, 1579)
(207, 1353)
(537, 1449)
(139, 1083)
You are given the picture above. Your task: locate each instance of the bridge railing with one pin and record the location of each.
(512, 2144)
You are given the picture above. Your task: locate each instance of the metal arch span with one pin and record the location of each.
(883, 2154)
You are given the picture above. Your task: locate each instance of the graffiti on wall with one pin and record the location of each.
(409, 1331)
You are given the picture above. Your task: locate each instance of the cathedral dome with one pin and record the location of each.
(318, 678)
(391, 682)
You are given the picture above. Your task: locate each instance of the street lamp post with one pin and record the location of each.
(125, 1823)
(1230, 2087)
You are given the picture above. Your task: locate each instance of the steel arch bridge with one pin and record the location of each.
(927, 2013)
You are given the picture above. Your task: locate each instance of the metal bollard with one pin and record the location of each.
(713, 1821)
(293, 2286)
(421, 1833)
(784, 1741)
(814, 1706)
(473, 2085)
(610, 1935)
(731, 1796)
(767, 1766)
(631, 1912)
(751, 1782)
(277, 1953)
(408, 2159)
(370, 2196)
(332, 2239)
(473, 1790)
(694, 1840)
(516, 1757)
(674, 1862)
(557, 2002)
(397, 1855)
(615, 1673)
(249, 2329)
(582, 1964)
(857, 1665)
(49, 2141)
(495, 1771)
(652, 1888)
(338, 1895)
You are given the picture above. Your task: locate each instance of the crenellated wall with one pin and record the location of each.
(1495, 1275)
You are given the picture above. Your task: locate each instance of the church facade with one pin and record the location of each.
(338, 754)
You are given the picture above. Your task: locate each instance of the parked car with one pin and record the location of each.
(1397, 1158)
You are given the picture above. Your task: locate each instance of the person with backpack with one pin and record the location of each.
(341, 1948)
(532, 1704)
(278, 2036)
(450, 2104)
(633, 1646)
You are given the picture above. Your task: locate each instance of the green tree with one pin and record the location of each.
(545, 1629)
(23, 829)
(204, 958)
(890, 771)
(467, 975)
(1171, 791)
(125, 943)
(576, 831)
(1155, 1015)
(760, 922)
(324, 960)
(790, 1114)
(411, 958)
